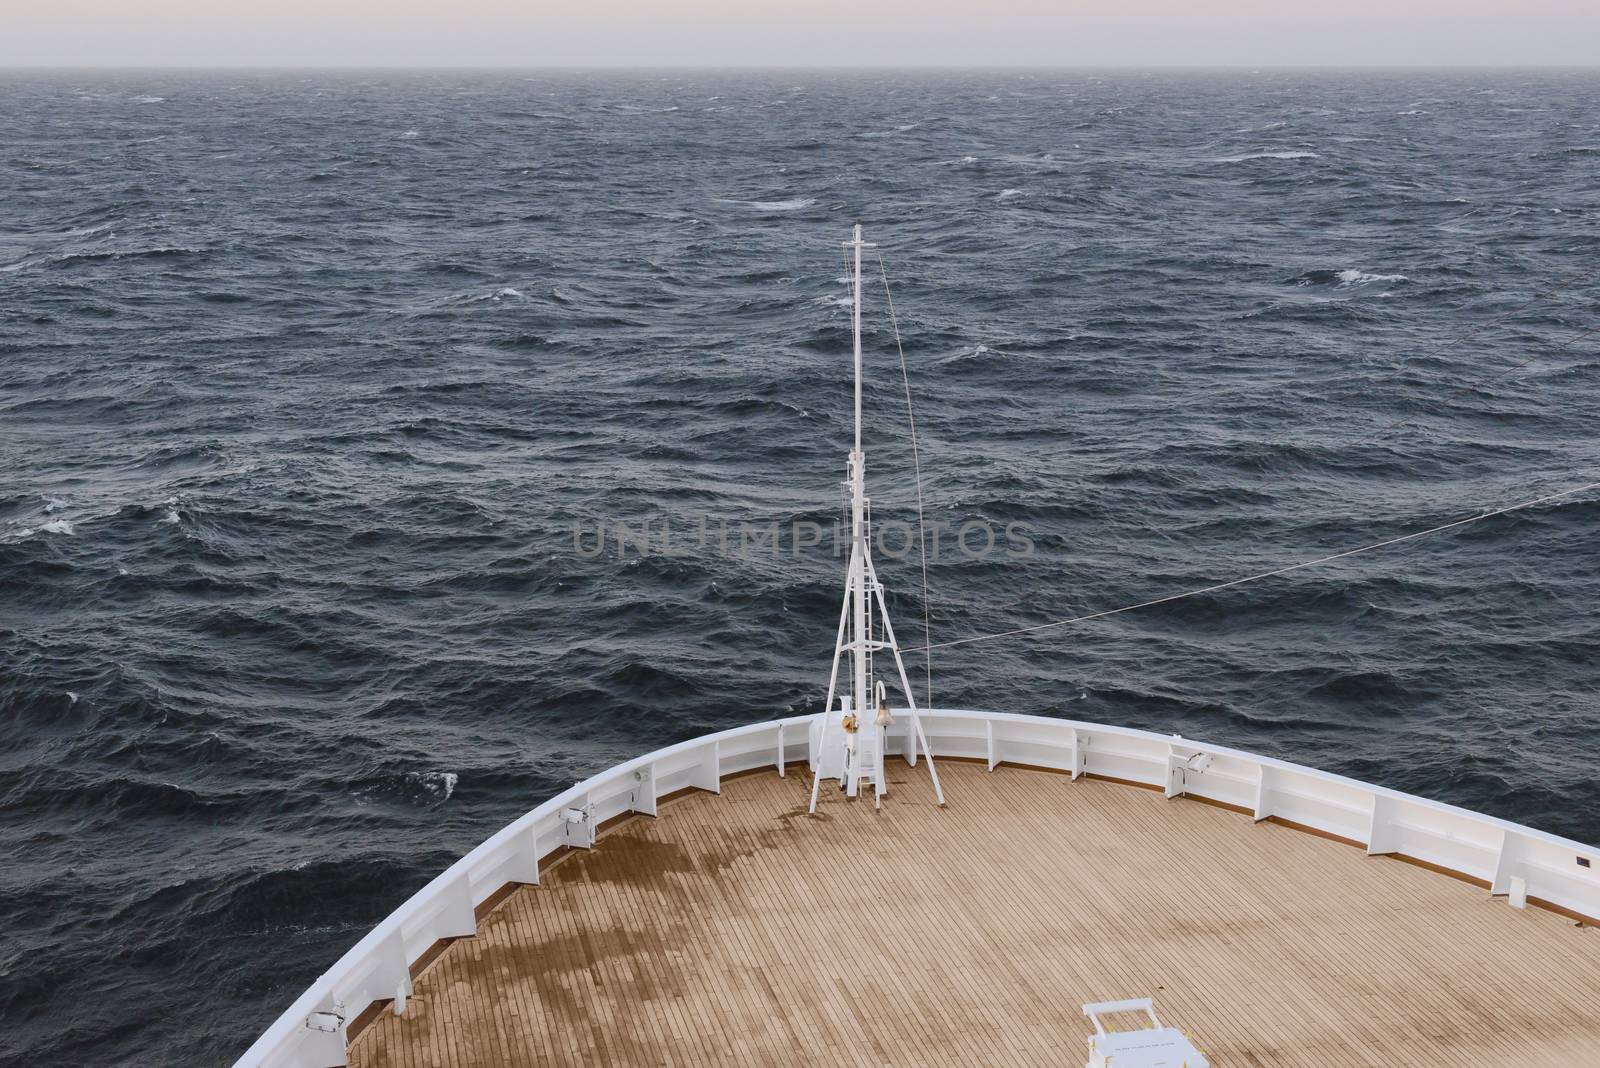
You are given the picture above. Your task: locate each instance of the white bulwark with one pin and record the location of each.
(1554, 871)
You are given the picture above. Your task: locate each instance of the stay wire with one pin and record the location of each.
(1264, 574)
(916, 466)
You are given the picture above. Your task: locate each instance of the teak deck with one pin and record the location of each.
(737, 929)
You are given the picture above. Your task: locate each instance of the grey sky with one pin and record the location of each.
(536, 33)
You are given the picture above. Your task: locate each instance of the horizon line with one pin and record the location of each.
(797, 67)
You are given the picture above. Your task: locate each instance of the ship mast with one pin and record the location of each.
(858, 501)
(854, 737)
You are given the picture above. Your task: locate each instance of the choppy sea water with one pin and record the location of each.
(307, 382)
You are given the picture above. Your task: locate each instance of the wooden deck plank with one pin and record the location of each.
(736, 929)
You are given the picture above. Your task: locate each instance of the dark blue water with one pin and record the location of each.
(307, 380)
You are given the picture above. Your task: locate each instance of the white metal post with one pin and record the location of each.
(858, 502)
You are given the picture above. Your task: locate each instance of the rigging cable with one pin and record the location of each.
(928, 645)
(1264, 574)
(916, 466)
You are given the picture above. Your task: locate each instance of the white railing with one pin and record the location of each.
(1517, 861)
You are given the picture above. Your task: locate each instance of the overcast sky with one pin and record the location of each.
(698, 33)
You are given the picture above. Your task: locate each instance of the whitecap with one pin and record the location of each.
(792, 204)
(53, 526)
(1295, 154)
(410, 135)
(1361, 278)
(421, 786)
(72, 698)
(965, 355)
(1007, 194)
(477, 298)
(172, 516)
(149, 99)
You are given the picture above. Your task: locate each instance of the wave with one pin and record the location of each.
(1360, 278)
(1288, 154)
(427, 788)
(978, 354)
(792, 204)
(441, 784)
(63, 527)
(890, 133)
(1348, 278)
(159, 252)
(492, 297)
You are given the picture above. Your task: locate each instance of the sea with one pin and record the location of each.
(382, 452)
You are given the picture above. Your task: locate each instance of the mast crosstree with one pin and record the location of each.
(854, 735)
